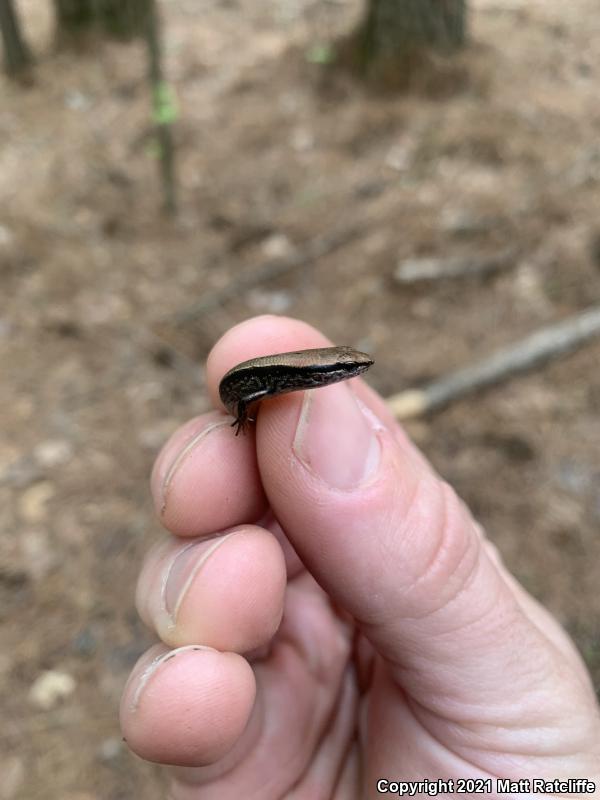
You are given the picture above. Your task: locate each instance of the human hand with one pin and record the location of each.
(362, 629)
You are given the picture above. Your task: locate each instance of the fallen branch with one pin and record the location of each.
(417, 270)
(275, 268)
(541, 346)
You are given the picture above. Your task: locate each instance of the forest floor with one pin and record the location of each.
(100, 364)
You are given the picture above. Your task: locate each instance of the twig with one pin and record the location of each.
(543, 345)
(415, 270)
(163, 108)
(315, 249)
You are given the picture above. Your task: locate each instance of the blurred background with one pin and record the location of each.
(169, 169)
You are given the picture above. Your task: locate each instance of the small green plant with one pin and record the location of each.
(321, 53)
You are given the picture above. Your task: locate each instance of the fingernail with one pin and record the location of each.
(180, 457)
(336, 437)
(184, 568)
(153, 666)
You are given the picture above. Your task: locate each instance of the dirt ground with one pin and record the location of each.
(100, 365)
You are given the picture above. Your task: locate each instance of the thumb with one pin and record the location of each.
(394, 545)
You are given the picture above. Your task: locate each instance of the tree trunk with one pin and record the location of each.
(121, 19)
(16, 53)
(74, 16)
(124, 19)
(396, 33)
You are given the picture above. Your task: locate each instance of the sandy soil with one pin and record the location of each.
(274, 151)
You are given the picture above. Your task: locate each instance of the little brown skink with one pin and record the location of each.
(268, 376)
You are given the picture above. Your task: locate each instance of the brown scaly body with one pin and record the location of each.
(269, 376)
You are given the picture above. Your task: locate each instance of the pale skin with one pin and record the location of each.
(372, 632)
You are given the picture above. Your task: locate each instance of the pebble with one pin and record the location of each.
(110, 749)
(53, 452)
(50, 688)
(32, 503)
(272, 302)
(277, 245)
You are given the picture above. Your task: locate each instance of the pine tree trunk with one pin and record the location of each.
(16, 53)
(395, 33)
